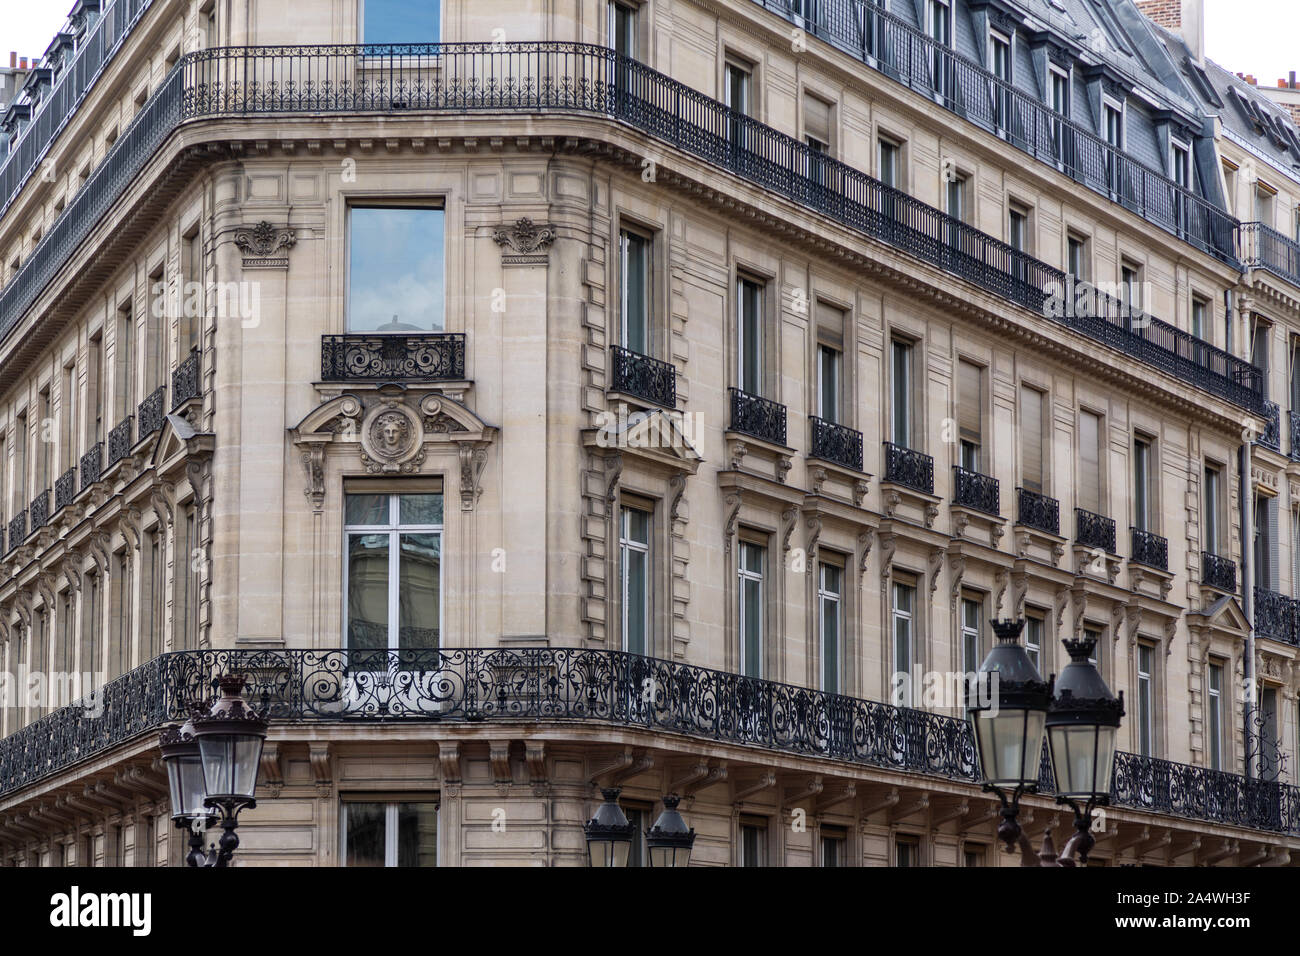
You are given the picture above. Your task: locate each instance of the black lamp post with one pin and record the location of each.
(1082, 725)
(212, 765)
(609, 834)
(669, 841)
(1009, 730)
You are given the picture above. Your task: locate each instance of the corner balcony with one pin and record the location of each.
(419, 357)
(1265, 248)
(546, 685)
(644, 377)
(757, 417)
(531, 79)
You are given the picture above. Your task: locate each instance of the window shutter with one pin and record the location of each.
(817, 118)
(1089, 464)
(970, 400)
(1031, 438)
(830, 325)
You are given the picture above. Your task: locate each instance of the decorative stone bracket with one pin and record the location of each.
(524, 243)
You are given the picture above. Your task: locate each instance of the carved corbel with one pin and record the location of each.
(865, 540)
(23, 608)
(535, 759)
(789, 517)
(319, 755)
(814, 539)
(449, 761)
(313, 463)
(936, 567)
(613, 470)
(816, 478)
(499, 757)
(129, 527)
(473, 459)
(678, 485)
(860, 488)
(956, 571)
(100, 546)
(272, 768)
(729, 526)
(524, 243)
(888, 544)
(71, 571)
(1003, 581)
(161, 496)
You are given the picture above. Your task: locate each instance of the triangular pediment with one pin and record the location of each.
(657, 434)
(1225, 614)
(177, 441)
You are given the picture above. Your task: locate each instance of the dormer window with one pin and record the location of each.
(1180, 164)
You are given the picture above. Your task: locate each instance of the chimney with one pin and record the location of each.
(13, 60)
(1185, 18)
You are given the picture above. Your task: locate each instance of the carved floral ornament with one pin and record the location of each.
(524, 243)
(261, 243)
(393, 432)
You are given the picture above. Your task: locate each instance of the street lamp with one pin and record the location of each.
(669, 841)
(1082, 725)
(609, 834)
(1009, 729)
(224, 748)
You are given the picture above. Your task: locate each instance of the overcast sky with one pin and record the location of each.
(1246, 36)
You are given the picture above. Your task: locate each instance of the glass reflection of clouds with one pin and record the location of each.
(396, 270)
(400, 21)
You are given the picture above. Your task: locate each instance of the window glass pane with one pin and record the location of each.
(419, 597)
(420, 509)
(751, 338)
(395, 277)
(636, 288)
(400, 21)
(417, 834)
(365, 834)
(368, 591)
(637, 525)
(752, 609)
(365, 510)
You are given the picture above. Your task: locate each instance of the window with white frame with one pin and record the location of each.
(623, 29)
(749, 330)
(1034, 640)
(393, 570)
(901, 375)
(1095, 658)
(828, 382)
(1146, 694)
(634, 578)
(888, 164)
(972, 624)
(1214, 711)
(635, 270)
(904, 606)
(1180, 163)
(1142, 484)
(753, 559)
(830, 607)
(389, 833)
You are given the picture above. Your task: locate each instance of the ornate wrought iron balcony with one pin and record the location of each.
(1094, 531)
(1294, 420)
(39, 511)
(1038, 511)
(65, 489)
(891, 45)
(1266, 248)
(421, 357)
(908, 468)
(1218, 572)
(150, 414)
(92, 465)
(1271, 437)
(17, 530)
(186, 380)
(644, 377)
(1150, 549)
(973, 490)
(533, 78)
(547, 684)
(836, 443)
(761, 418)
(1274, 616)
(119, 441)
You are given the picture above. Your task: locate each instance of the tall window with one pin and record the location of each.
(817, 124)
(89, 659)
(1146, 709)
(155, 334)
(186, 623)
(828, 382)
(753, 841)
(1142, 484)
(1034, 640)
(622, 29)
(1000, 67)
(749, 325)
(1212, 494)
(753, 557)
(124, 364)
(888, 165)
(831, 624)
(940, 27)
(390, 834)
(396, 266)
(1180, 164)
(1130, 277)
(834, 840)
(1076, 257)
(1059, 100)
(68, 417)
(1214, 718)
(190, 320)
(95, 391)
(120, 615)
(1259, 349)
(1199, 314)
(1032, 457)
(903, 608)
(1264, 197)
(44, 453)
(972, 614)
(634, 565)
(1018, 228)
(393, 572)
(1266, 550)
(970, 408)
(901, 366)
(635, 276)
(1094, 634)
(151, 639)
(1090, 462)
(738, 84)
(65, 637)
(957, 197)
(907, 852)
(1270, 744)
(400, 21)
(21, 440)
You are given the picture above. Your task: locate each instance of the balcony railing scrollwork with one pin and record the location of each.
(39, 511)
(973, 490)
(1274, 616)
(1265, 248)
(836, 443)
(65, 489)
(185, 380)
(1293, 418)
(119, 441)
(17, 530)
(1218, 572)
(1271, 437)
(1094, 531)
(425, 356)
(644, 377)
(758, 417)
(150, 414)
(1038, 511)
(1150, 549)
(92, 465)
(909, 468)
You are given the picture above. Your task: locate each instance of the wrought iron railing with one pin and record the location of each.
(65, 488)
(150, 414)
(909, 468)
(425, 356)
(565, 77)
(186, 380)
(894, 47)
(758, 417)
(1218, 572)
(92, 465)
(1294, 418)
(1150, 549)
(973, 490)
(1094, 531)
(557, 685)
(1271, 436)
(1274, 616)
(17, 530)
(644, 377)
(38, 511)
(119, 441)
(1265, 248)
(836, 443)
(1038, 511)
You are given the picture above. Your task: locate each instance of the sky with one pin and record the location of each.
(1245, 36)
